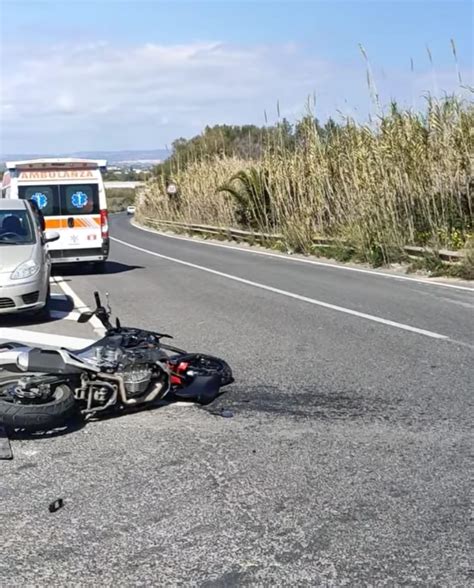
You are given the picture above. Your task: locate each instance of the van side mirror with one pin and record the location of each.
(50, 236)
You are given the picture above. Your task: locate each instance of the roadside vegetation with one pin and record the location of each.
(405, 178)
(119, 198)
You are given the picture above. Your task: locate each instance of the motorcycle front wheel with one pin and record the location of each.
(208, 365)
(32, 416)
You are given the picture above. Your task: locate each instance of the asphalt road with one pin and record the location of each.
(347, 461)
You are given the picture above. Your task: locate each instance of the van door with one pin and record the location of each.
(80, 213)
(73, 210)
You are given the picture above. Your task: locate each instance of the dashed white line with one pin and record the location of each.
(79, 306)
(288, 294)
(67, 315)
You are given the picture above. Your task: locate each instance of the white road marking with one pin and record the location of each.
(309, 261)
(37, 338)
(55, 296)
(342, 309)
(79, 305)
(67, 315)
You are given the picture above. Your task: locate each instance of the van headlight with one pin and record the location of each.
(25, 270)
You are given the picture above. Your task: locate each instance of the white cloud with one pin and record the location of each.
(96, 95)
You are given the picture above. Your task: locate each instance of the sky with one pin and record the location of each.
(116, 74)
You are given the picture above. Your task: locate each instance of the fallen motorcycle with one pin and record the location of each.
(40, 389)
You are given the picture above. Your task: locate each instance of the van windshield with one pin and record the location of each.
(63, 200)
(16, 228)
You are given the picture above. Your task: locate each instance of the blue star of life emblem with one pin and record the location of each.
(40, 199)
(79, 199)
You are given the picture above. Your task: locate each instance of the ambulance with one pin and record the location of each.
(70, 194)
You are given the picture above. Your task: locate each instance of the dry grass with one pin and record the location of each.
(197, 200)
(406, 180)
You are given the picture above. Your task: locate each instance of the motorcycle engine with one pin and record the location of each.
(136, 379)
(134, 366)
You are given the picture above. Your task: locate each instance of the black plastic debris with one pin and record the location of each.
(56, 505)
(5, 447)
(222, 412)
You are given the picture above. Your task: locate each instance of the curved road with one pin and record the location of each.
(346, 462)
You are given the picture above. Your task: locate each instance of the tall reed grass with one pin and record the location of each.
(408, 179)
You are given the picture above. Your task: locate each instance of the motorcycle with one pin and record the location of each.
(40, 389)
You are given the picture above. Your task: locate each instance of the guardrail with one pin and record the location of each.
(320, 242)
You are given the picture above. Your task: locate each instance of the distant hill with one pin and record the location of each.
(120, 156)
(112, 157)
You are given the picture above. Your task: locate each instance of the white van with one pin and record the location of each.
(70, 193)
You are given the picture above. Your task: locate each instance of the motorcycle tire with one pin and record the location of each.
(33, 417)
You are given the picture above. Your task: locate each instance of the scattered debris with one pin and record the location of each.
(222, 412)
(56, 505)
(5, 447)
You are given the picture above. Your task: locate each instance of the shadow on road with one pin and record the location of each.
(77, 422)
(89, 269)
(59, 308)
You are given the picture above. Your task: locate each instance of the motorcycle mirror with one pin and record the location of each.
(85, 317)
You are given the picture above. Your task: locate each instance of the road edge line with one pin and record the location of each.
(292, 295)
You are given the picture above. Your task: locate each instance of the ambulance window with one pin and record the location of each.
(46, 197)
(80, 199)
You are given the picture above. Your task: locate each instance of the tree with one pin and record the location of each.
(245, 141)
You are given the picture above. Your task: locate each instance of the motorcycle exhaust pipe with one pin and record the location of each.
(147, 397)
